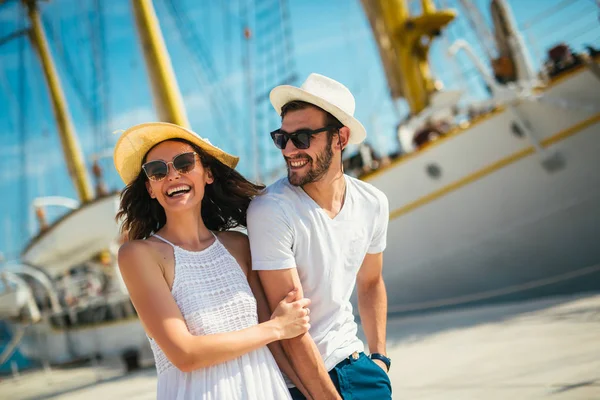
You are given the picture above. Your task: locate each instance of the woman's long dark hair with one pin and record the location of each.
(224, 204)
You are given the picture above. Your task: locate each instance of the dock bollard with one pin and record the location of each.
(47, 371)
(15, 369)
(131, 358)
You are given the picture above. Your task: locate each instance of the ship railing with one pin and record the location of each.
(508, 96)
(42, 279)
(94, 314)
(558, 54)
(39, 204)
(552, 67)
(12, 345)
(58, 201)
(503, 97)
(13, 281)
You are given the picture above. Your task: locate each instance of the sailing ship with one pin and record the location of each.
(65, 300)
(497, 199)
(83, 311)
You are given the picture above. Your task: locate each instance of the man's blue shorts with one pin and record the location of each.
(359, 379)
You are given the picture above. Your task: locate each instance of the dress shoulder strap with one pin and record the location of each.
(163, 239)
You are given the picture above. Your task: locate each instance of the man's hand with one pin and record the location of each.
(381, 364)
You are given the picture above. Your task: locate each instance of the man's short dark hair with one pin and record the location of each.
(296, 105)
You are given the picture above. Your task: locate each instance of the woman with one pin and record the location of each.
(189, 277)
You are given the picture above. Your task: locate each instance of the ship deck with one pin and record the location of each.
(542, 349)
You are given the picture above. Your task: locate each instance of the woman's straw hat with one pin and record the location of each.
(135, 142)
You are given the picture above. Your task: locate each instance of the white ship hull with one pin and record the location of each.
(93, 323)
(45, 343)
(76, 237)
(496, 223)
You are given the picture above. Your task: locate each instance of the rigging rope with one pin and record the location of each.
(193, 43)
(247, 66)
(583, 30)
(274, 65)
(13, 113)
(454, 32)
(100, 84)
(288, 42)
(99, 90)
(484, 34)
(555, 29)
(94, 81)
(68, 65)
(546, 13)
(24, 201)
(104, 75)
(227, 36)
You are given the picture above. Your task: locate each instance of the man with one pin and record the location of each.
(324, 232)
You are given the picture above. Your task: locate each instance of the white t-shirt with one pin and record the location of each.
(288, 229)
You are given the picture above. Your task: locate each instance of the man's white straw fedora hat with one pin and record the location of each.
(136, 141)
(327, 94)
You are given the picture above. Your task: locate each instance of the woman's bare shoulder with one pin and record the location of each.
(136, 251)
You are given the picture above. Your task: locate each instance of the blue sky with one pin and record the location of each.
(330, 37)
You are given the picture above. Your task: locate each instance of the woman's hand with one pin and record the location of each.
(292, 316)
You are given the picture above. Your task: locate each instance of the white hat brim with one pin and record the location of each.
(281, 95)
(135, 142)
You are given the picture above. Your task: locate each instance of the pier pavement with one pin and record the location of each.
(542, 349)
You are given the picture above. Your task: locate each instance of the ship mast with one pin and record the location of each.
(167, 97)
(68, 138)
(404, 42)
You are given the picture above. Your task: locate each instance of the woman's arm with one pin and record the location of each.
(263, 315)
(163, 321)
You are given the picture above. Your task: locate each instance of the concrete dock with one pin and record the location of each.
(544, 349)
(536, 350)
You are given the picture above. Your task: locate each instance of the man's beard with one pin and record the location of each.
(316, 171)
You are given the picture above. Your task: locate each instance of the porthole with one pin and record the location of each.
(516, 130)
(433, 170)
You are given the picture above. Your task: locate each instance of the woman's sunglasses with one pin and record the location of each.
(300, 138)
(158, 170)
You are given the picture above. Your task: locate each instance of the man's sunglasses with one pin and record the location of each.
(300, 138)
(158, 170)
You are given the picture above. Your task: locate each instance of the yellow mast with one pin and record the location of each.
(68, 138)
(404, 42)
(167, 98)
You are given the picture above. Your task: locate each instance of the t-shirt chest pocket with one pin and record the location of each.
(357, 243)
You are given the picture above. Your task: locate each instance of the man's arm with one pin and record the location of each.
(301, 351)
(264, 313)
(238, 245)
(271, 235)
(372, 303)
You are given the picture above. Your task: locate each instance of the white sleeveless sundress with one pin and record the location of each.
(214, 296)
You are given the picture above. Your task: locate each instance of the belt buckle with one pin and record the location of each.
(354, 355)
